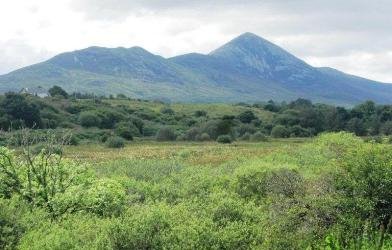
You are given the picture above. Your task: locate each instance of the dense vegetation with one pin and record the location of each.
(99, 118)
(332, 192)
(64, 183)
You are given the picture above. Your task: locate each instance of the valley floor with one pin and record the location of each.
(279, 194)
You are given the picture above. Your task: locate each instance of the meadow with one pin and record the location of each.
(328, 192)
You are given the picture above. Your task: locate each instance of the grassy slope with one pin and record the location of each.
(213, 109)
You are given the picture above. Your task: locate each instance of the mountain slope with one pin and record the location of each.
(248, 68)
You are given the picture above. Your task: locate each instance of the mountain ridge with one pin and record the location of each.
(247, 68)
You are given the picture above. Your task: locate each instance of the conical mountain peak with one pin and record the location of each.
(256, 55)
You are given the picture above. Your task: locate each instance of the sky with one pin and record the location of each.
(354, 36)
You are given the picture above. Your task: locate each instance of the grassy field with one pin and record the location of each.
(278, 194)
(193, 153)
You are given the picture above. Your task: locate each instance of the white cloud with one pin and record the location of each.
(351, 35)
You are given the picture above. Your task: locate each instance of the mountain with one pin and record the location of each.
(248, 68)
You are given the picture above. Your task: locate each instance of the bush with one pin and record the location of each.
(74, 140)
(258, 136)
(57, 91)
(203, 137)
(224, 139)
(126, 130)
(245, 128)
(279, 131)
(246, 136)
(386, 129)
(115, 142)
(167, 111)
(200, 113)
(166, 134)
(298, 131)
(247, 116)
(89, 119)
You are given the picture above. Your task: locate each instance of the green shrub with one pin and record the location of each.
(298, 131)
(258, 136)
(246, 136)
(224, 139)
(74, 140)
(200, 113)
(280, 131)
(166, 134)
(57, 91)
(127, 130)
(245, 128)
(115, 142)
(49, 174)
(105, 197)
(167, 111)
(247, 116)
(89, 119)
(203, 137)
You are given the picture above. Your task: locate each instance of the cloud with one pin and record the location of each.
(333, 33)
(16, 53)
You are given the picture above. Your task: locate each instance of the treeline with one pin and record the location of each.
(115, 118)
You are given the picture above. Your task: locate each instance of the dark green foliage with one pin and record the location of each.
(166, 134)
(203, 137)
(357, 126)
(167, 111)
(115, 142)
(127, 130)
(299, 118)
(245, 128)
(200, 113)
(386, 128)
(298, 131)
(57, 91)
(280, 131)
(89, 119)
(247, 116)
(18, 111)
(258, 136)
(224, 139)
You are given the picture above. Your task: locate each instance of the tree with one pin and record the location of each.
(19, 109)
(279, 131)
(247, 116)
(357, 126)
(89, 119)
(386, 128)
(166, 134)
(224, 139)
(58, 91)
(127, 130)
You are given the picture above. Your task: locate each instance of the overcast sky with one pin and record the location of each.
(351, 35)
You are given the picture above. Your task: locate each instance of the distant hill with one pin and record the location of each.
(248, 68)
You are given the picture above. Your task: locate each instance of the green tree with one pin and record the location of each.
(247, 116)
(280, 131)
(58, 91)
(89, 119)
(21, 110)
(166, 134)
